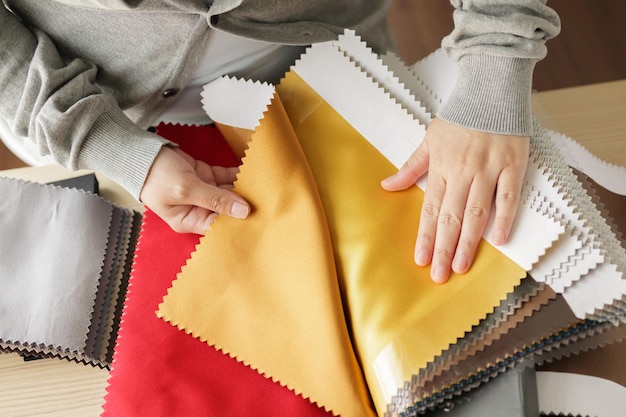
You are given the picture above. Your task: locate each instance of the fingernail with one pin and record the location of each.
(239, 210)
(460, 263)
(389, 180)
(422, 257)
(439, 274)
(499, 236)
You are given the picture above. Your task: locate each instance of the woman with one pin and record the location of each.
(85, 79)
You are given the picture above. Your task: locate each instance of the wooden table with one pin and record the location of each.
(593, 115)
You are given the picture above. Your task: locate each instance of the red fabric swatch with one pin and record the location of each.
(159, 370)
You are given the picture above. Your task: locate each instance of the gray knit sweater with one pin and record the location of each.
(84, 79)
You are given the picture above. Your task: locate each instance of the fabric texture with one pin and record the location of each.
(265, 290)
(400, 319)
(396, 329)
(51, 256)
(161, 371)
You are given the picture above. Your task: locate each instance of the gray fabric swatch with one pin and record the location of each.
(52, 247)
(512, 394)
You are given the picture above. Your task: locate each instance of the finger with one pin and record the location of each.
(475, 217)
(449, 224)
(225, 175)
(411, 171)
(215, 199)
(431, 207)
(216, 175)
(193, 219)
(507, 200)
(205, 172)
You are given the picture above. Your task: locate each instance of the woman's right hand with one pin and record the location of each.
(188, 194)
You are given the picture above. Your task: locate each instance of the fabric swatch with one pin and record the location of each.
(400, 319)
(393, 335)
(161, 371)
(65, 258)
(49, 271)
(265, 290)
(371, 248)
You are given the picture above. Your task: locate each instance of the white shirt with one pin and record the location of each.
(234, 56)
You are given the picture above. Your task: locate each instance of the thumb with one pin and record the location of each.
(411, 171)
(216, 199)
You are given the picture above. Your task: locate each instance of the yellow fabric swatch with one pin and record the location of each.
(236, 137)
(265, 290)
(400, 319)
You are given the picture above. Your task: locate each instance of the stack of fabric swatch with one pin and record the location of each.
(313, 305)
(65, 260)
(340, 121)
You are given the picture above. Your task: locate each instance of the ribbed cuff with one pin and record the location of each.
(119, 149)
(492, 94)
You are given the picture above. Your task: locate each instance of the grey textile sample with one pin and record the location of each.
(511, 394)
(52, 246)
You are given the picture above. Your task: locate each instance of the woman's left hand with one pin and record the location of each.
(467, 171)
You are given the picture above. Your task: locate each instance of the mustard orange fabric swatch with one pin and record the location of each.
(236, 137)
(400, 319)
(265, 290)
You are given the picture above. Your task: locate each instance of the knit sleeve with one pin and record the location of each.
(55, 102)
(496, 44)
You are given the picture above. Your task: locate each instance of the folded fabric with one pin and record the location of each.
(400, 323)
(264, 290)
(399, 319)
(161, 371)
